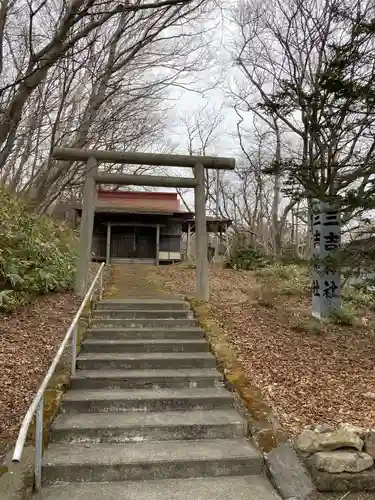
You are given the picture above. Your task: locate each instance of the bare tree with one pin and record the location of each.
(102, 83)
(202, 129)
(309, 64)
(45, 35)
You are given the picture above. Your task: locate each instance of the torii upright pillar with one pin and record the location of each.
(201, 241)
(86, 229)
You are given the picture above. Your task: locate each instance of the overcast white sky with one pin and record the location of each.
(210, 88)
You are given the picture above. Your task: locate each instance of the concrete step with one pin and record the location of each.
(144, 323)
(254, 487)
(116, 400)
(150, 460)
(153, 426)
(144, 361)
(153, 345)
(146, 379)
(144, 333)
(145, 304)
(143, 313)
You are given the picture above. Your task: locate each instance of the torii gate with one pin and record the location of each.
(94, 177)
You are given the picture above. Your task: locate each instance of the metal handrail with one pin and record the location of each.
(37, 403)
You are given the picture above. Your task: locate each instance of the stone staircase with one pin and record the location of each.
(147, 416)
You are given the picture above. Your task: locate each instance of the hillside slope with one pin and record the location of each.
(37, 264)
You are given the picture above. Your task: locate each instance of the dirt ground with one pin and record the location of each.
(309, 373)
(132, 280)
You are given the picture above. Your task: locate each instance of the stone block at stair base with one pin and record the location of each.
(341, 461)
(370, 443)
(337, 459)
(345, 481)
(288, 472)
(310, 442)
(218, 488)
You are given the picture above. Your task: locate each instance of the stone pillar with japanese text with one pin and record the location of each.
(326, 228)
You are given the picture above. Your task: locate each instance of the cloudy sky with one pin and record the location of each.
(211, 90)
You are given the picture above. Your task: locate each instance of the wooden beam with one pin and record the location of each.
(86, 229)
(201, 263)
(138, 224)
(162, 160)
(145, 180)
(108, 247)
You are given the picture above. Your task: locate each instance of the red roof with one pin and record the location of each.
(138, 200)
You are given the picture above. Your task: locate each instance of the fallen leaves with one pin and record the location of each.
(308, 376)
(29, 340)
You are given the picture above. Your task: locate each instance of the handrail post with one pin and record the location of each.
(74, 349)
(38, 444)
(101, 284)
(91, 307)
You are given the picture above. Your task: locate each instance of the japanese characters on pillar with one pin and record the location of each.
(326, 228)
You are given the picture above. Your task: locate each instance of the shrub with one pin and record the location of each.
(289, 290)
(289, 279)
(343, 316)
(248, 258)
(310, 326)
(37, 255)
(282, 272)
(267, 297)
(358, 296)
